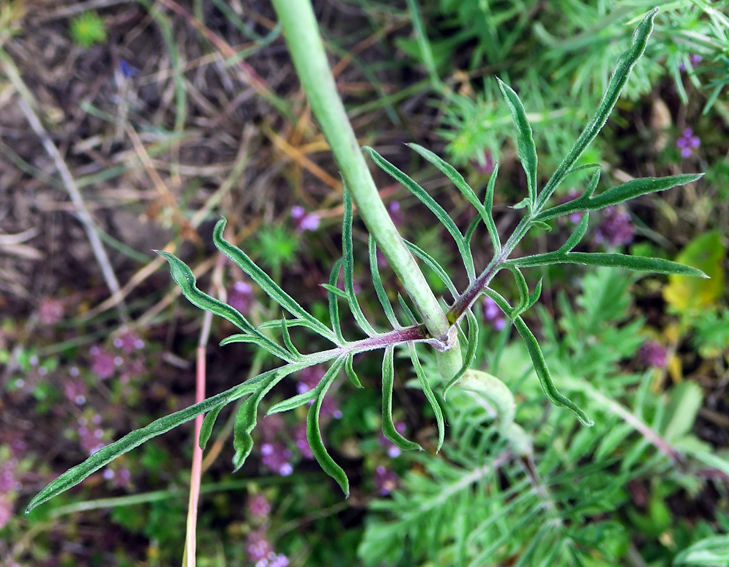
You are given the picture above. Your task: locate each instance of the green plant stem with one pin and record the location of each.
(310, 60)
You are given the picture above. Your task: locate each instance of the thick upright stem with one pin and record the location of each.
(307, 51)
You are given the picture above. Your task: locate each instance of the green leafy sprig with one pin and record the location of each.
(536, 205)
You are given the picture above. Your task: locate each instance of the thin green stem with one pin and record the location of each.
(307, 51)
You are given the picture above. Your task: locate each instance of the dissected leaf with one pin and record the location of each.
(429, 395)
(388, 426)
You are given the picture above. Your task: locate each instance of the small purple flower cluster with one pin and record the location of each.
(493, 314)
(386, 480)
(571, 195)
(652, 353)
(694, 58)
(304, 221)
(260, 549)
(616, 228)
(687, 143)
(105, 363)
(9, 483)
(393, 451)
(309, 378)
(90, 433)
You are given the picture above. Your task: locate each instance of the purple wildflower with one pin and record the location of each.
(653, 353)
(127, 70)
(258, 506)
(240, 297)
(571, 195)
(257, 546)
(309, 378)
(303, 220)
(9, 476)
(330, 407)
(75, 391)
(275, 457)
(385, 480)
(90, 435)
(270, 426)
(6, 509)
(103, 363)
(493, 314)
(128, 342)
(687, 143)
(50, 311)
(616, 228)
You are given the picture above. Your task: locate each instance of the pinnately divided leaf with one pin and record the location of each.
(110, 452)
(429, 395)
(620, 77)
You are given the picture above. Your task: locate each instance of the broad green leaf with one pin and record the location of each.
(472, 345)
(348, 255)
(636, 263)
(271, 288)
(388, 381)
(110, 452)
(429, 202)
(706, 253)
(710, 552)
(621, 193)
(576, 236)
(184, 277)
(429, 395)
(379, 289)
(313, 434)
(457, 179)
(435, 266)
(540, 366)
(686, 400)
(525, 140)
(625, 64)
(207, 426)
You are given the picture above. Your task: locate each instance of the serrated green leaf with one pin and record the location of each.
(440, 213)
(472, 345)
(271, 288)
(351, 374)
(525, 140)
(184, 278)
(379, 289)
(625, 64)
(435, 266)
(540, 366)
(206, 429)
(348, 255)
(313, 434)
(576, 236)
(429, 395)
(106, 454)
(635, 263)
(388, 426)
